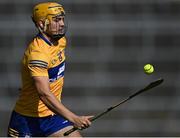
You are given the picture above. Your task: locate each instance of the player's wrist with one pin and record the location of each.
(72, 117)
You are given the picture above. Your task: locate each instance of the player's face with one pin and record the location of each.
(57, 26)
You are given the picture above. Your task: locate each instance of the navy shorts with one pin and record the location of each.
(21, 126)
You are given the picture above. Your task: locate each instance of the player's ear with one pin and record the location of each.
(41, 24)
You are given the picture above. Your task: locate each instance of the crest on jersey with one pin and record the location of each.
(53, 61)
(60, 55)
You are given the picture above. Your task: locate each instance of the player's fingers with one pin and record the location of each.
(90, 117)
(83, 126)
(86, 122)
(80, 128)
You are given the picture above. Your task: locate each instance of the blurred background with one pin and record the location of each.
(109, 41)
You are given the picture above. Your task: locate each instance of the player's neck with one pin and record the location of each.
(50, 39)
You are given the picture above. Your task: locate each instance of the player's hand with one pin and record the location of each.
(82, 122)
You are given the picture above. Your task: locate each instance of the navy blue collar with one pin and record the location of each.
(46, 40)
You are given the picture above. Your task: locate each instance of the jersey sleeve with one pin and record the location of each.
(38, 63)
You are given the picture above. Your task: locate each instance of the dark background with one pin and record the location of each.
(109, 41)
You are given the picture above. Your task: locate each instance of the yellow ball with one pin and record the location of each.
(148, 69)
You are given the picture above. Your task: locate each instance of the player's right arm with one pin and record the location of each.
(38, 68)
(42, 86)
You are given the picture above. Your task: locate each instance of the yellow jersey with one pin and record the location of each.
(41, 58)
